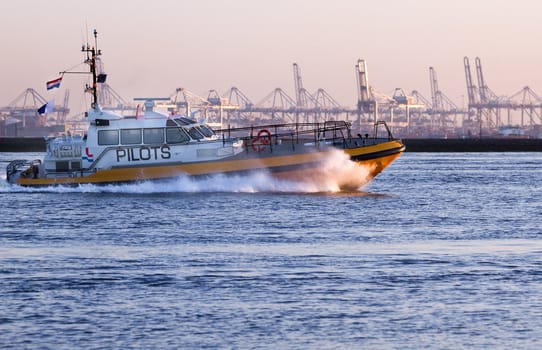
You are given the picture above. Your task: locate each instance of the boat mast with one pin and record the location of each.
(92, 55)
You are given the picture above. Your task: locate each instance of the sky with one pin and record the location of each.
(150, 48)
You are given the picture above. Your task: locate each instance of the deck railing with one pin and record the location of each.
(331, 131)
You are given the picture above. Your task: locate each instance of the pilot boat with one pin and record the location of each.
(153, 146)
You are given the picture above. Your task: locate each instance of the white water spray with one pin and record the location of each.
(338, 173)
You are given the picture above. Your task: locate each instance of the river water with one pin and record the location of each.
(441, 251)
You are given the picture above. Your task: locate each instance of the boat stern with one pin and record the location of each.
(23, 169)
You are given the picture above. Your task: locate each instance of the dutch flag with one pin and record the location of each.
(54, 83)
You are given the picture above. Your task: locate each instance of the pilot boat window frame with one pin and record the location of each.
(184, 121)
(206, 130)
(130, 136)
(153, 136)
(176, 135)
(108, 137)
(195, 134)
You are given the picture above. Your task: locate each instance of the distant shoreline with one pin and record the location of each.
(37, 144)
(473, 145)
(22, 144)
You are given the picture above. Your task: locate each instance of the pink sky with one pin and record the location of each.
(152, 47)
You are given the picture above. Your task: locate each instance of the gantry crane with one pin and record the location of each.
(367, 106)
(441, 105)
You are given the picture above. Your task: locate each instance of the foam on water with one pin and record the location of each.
(336, 172)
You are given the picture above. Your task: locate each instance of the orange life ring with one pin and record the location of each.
(261, 141)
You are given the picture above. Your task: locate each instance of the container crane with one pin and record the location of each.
(300, 101)
(472, 90)
(486, 95)
(367, 106)
(436, 100)
(441, 105)
(305, 102)
(489, 101)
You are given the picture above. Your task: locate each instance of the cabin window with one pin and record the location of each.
(176, 135)
(205, 130)
(130, 136)
(154, 135)
(62, 165)
(108, 137)
(76, 165)
(195, 134)
(185, 121)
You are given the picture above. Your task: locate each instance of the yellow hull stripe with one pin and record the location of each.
(373, 149)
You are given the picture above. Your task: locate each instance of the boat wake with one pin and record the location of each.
(337, 173)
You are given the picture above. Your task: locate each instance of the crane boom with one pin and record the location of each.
(481, 83)
(471, 88)
(298, 87)
(364, 94)
(435, 101)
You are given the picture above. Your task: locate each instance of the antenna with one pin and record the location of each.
(96, 40)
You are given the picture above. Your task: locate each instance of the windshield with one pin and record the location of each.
(195, 134)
